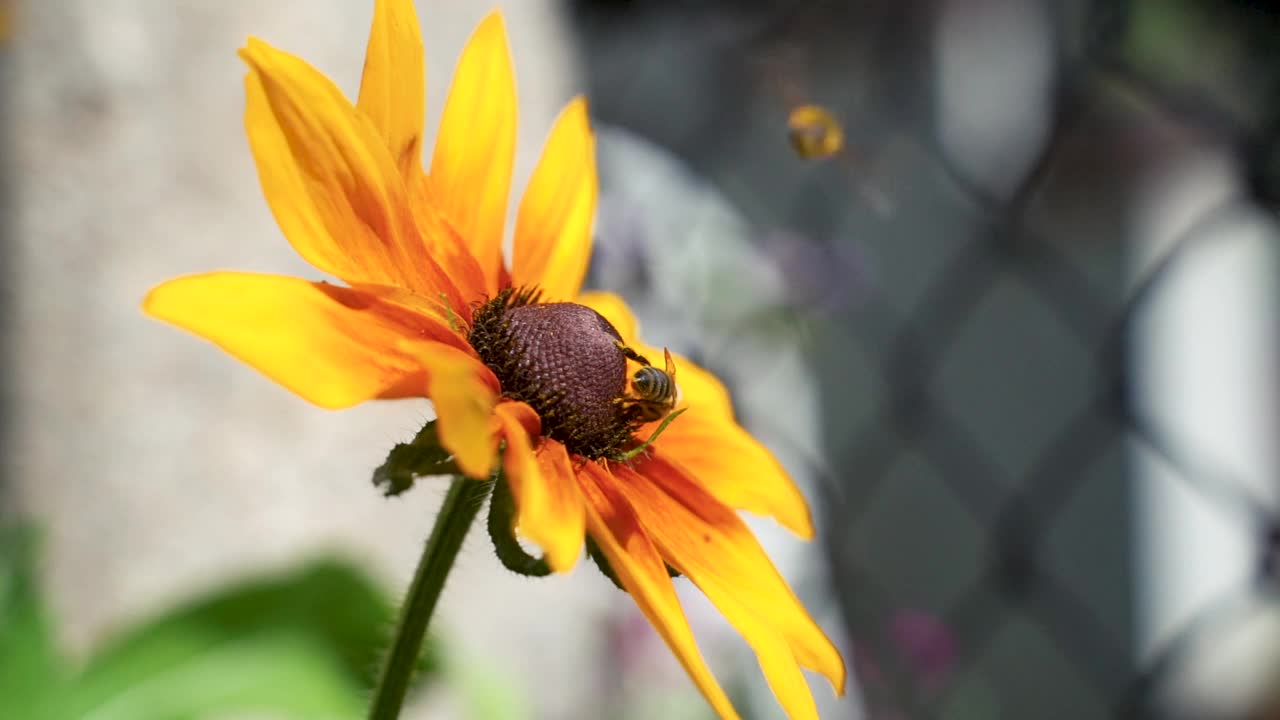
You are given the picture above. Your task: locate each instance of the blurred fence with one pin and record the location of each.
(1048, 382)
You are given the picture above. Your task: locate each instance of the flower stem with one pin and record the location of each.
(460, 507)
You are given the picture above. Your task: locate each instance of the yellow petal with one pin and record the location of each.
(471, 166)
(330, 180)
(553, 226)
(709, 543)
(444, 243)
(736, 469)
(544, 488)
(776, 661)
(333, 346)
(393, 86)
(640, 569)
(563, 517)
(464, 393)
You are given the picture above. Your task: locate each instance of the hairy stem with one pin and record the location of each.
(461, 505)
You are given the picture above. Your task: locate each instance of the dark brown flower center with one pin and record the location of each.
(563, 359)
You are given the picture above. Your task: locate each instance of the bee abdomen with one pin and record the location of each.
(653, 384)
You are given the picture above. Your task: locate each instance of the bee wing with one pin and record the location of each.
(671, 364)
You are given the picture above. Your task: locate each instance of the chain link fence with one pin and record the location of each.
(1037, 294)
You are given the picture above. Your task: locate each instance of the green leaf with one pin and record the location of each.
(329, 600)
(303, 644)
(329, 615)
(174, 676)
(30, 666)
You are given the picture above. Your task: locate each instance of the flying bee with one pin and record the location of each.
(815, 133)
(655, 393)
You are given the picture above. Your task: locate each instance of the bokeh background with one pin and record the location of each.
(1017, 341)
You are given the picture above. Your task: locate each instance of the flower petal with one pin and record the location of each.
(471, 166)
(333, 346)
(736, 469)
(776, 660)
(553, 226)
(544, 488)
(636, 563)
(464, 393)
(393, 86)
(444, 243)
(709, 543)
(330, 180)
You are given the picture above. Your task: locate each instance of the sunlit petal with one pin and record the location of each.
(776, 660)
(544, 488)
(330, 179)
(553, 226)
(709, 543)
(393, 86)
(471, 166)
(443, 241)
(736, 469)
(334, 346)
(464, 393)
(636, 563)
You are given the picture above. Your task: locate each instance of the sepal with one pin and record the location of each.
(421, 457)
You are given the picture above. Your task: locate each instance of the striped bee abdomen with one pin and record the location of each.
(653, 385)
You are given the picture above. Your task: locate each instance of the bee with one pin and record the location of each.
(815, 133)
(655, 393)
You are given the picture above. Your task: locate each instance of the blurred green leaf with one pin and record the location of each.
(172, 676)
(334, 603)
(30, 666)
(302, 644)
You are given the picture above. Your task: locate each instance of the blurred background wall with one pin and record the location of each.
(1017, 339)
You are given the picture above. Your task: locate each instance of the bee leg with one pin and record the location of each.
(631, 354)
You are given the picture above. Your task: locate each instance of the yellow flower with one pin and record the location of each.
(516, 360)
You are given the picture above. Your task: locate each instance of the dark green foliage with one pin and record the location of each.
(420, 457)
(501, 525)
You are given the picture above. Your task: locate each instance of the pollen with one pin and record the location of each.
(564, 360)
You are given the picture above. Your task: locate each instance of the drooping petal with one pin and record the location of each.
(330, 180)
(464, 393)
(393, 86)
(617, 530)
(553, 226)
(709, 543)
(471, 165)
(736, 469)
(334, 346)
(776, 660)
(544, 488)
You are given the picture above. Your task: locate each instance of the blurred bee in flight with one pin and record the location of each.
(815, 133)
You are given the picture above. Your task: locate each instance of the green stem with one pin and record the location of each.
(460, 507)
